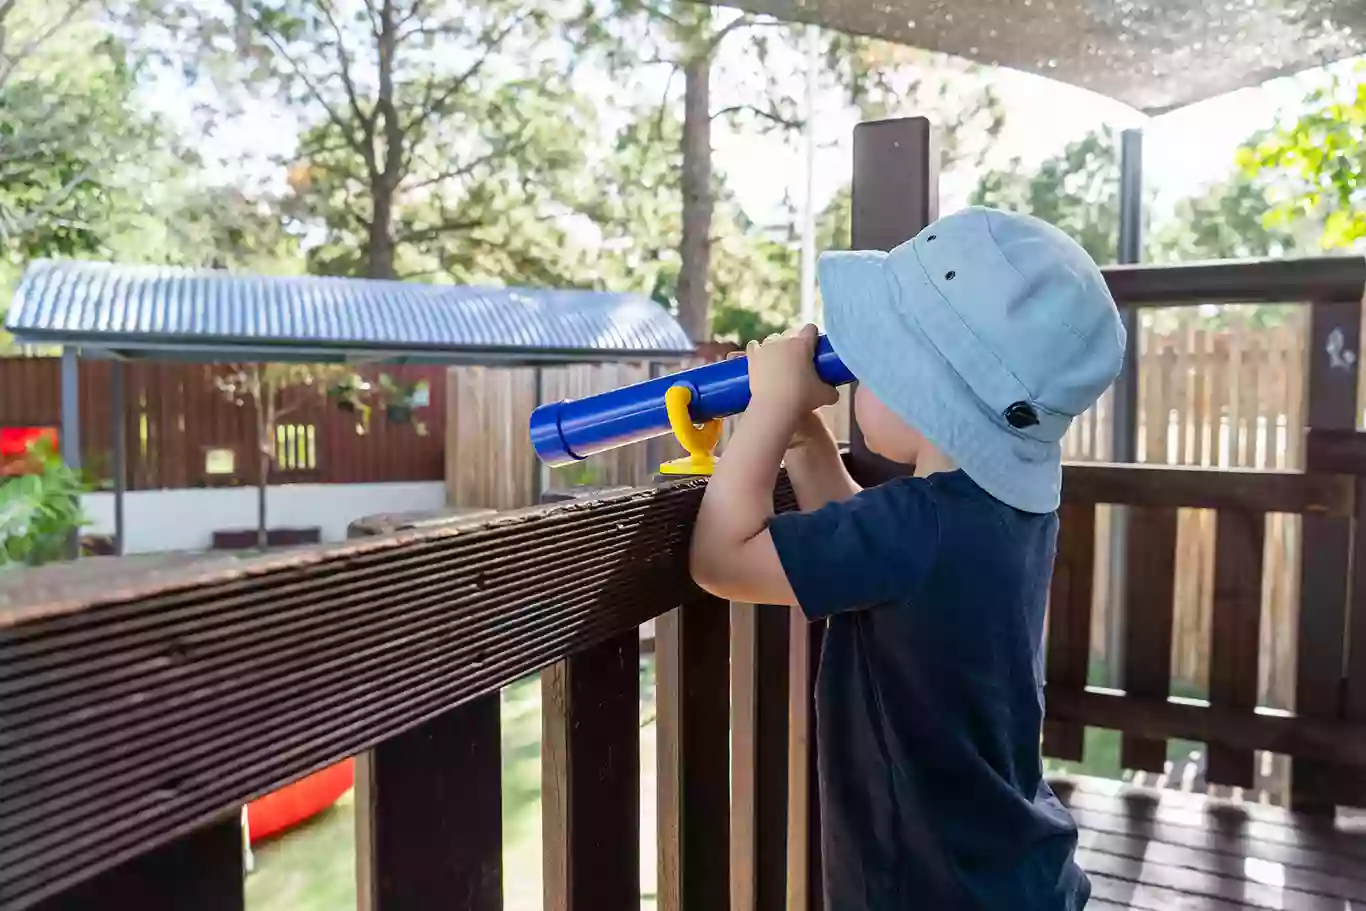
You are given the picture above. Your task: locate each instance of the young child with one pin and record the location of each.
(975, 344)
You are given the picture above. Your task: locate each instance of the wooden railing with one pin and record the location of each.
(143, 702)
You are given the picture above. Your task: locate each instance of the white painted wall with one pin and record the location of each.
(159, 520)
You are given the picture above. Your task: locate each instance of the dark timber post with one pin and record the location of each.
(590, 774)
(895, 194)
(1334, 362)
(759, 751)
(692, 661)
(429, 815)
(1124, 401)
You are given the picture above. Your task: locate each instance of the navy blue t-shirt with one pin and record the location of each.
(929, 699)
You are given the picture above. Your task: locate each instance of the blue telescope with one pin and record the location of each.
(569, 431)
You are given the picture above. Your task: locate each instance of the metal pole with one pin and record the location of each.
(118, 409)
(71, 428)
(808, 297)
(537, 466)
(1124, 403)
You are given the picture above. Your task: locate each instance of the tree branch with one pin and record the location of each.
(658, 130)
(344, 59)
(364, 149)
(760, 112)
(468, 168)
(735, 25)
(660, 14)
(435, 107)
(446, 227)
(12, 61)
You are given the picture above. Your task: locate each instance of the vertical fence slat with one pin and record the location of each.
(692, 650)
(1149, 577)
(1355, 697)
(1335, 329)
(201, 871)
(804, 890)
(759, 749)
(590, 778)
(1069, 621)
(1239, 541)
(429, 815)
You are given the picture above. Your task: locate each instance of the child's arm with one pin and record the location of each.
(733, 555)
(814, 466)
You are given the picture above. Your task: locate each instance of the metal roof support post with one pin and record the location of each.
(1124, 402)
(71, 428)
(118, 407)
(538, 468)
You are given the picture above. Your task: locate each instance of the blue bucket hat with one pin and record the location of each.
(988, 332)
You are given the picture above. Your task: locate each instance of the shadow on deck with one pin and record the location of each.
(1164, 850)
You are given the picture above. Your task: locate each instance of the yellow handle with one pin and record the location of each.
(699, 441)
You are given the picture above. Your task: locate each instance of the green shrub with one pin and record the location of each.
(40, 509)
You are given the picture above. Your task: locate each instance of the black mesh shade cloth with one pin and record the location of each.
(1154, 55)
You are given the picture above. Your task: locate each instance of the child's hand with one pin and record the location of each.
(782, 374)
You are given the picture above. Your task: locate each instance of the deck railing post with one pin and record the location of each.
(1334, 363)
(895, 193)
(759, 755)
(692, 729)
(429, 814)
(590, 774)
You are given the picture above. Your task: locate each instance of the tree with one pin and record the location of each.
(689, 39)
(275, 390)
(67, 127)
(1315, 163)
(434, 132)
(1226, 221)
(1077, 190)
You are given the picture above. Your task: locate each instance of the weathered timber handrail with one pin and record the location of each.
(136, 705)
(1247, 281)
(1336, 451)
(1195, 719)
(1255, 490)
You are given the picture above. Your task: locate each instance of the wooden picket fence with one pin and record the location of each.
(177, 422)
(1223, 394)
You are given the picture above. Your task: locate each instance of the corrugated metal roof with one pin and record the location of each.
(212, 314)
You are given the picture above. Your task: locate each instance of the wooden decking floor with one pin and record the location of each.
(1163, 850)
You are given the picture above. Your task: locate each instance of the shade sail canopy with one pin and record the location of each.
(215, 315)
(1153, 55)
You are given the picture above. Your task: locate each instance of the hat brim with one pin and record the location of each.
(869, 318)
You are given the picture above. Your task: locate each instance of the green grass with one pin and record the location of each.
(312, 867)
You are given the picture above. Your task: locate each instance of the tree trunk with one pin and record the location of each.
(694, 302)
(385, 173)
(379, 251)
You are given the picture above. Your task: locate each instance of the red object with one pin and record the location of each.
(15, 441)
(14, 448)
(297, 802)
